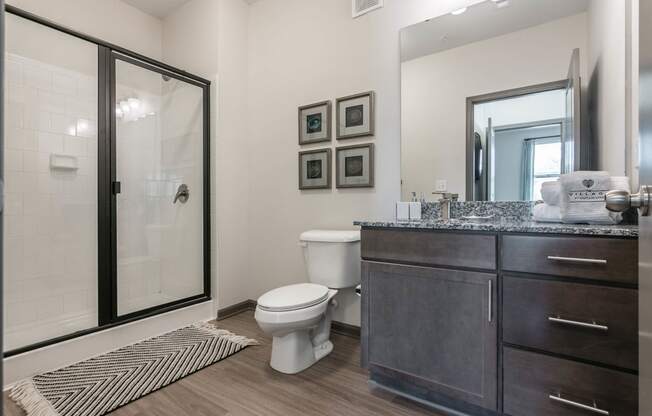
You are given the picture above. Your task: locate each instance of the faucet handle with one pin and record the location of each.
(447, 195)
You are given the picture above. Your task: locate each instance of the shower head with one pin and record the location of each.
(165, 78)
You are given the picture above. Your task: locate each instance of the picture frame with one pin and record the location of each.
(354, 166)
(315, 169)
(315, 123)
(355, 115)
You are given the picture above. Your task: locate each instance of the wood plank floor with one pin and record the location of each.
(245, 384)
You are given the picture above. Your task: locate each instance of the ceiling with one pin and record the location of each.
(162, 8)
(482, 21)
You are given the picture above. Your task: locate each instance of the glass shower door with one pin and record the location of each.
(159, 187)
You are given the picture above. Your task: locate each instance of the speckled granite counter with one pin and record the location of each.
(508, 226)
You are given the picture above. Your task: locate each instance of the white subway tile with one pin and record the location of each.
(48, 184)
(50, 143)
(21, 94)
(50, 306)
(13, 258)
(13, 160)
(51, 102)
(13, 225)
(13, 203)
(37, 76)
(21, 313)
(37, 204)
(14, 115)
(64, 83)
(13, 72)
(73, 145)
(14, 181)
(75, 302)
(36, 119)
(30, 161)
(63, 124)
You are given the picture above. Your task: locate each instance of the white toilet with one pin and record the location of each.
(298, 317)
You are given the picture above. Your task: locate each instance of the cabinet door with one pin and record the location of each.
(434, 326)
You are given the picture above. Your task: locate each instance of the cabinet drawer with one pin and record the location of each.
(536, 384)
(596, 323)
(430, 248)
(608, 259)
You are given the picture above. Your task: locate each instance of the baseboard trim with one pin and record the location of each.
(340, 328)
(229, 311)
(349, 330)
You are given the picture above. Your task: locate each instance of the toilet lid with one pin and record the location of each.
(293, 297)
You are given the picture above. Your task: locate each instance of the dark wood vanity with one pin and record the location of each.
(485, 323)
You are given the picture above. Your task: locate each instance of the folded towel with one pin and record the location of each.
(620, 183)
(582, 198)
(546, 213)
(550, 192)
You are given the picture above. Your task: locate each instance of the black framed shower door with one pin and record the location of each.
(115, 139)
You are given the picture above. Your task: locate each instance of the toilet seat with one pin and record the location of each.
(293, 297)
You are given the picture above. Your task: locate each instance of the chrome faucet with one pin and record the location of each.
(445, 203)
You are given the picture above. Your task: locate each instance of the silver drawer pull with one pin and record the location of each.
(595, 409)
(577, 260)
(591, 325)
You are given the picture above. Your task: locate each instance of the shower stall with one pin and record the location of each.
(106, 165)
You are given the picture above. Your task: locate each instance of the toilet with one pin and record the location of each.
(298, 317)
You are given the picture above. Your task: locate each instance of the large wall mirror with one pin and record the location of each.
(506, 94)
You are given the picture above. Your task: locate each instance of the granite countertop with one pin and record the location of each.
(509, 226)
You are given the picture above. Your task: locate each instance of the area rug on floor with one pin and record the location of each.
(99, 385)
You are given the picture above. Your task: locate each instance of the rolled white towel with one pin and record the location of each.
(582, 198)
(550, 192)
(620, 183)
(546, 213)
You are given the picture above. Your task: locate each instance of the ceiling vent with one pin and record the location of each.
(361, 7)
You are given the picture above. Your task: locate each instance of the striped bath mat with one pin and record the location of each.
(99, 385)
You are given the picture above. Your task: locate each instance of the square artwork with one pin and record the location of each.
(314, 123)
(314, 169)
(353, 166)
(355, 116)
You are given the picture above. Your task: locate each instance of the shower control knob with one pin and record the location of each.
(183, 193)
(619, 201)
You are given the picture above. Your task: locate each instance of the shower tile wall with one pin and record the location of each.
(50, 265)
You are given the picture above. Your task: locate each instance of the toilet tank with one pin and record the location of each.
(332, 257)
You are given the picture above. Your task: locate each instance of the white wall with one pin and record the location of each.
(607, 51)
(110, 20)
(302, 52)
(435, 88)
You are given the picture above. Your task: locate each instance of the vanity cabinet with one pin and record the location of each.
(431, 324)
(499, 323)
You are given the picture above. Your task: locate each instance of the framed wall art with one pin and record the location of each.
(355, 116)
(315, 123)
(315, 169)
(355, 166)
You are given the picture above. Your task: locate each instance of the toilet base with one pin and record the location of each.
(294, 352)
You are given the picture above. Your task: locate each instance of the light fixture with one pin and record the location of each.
(458, 11)
(82, 125)
(124, 105)
(134, 103)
